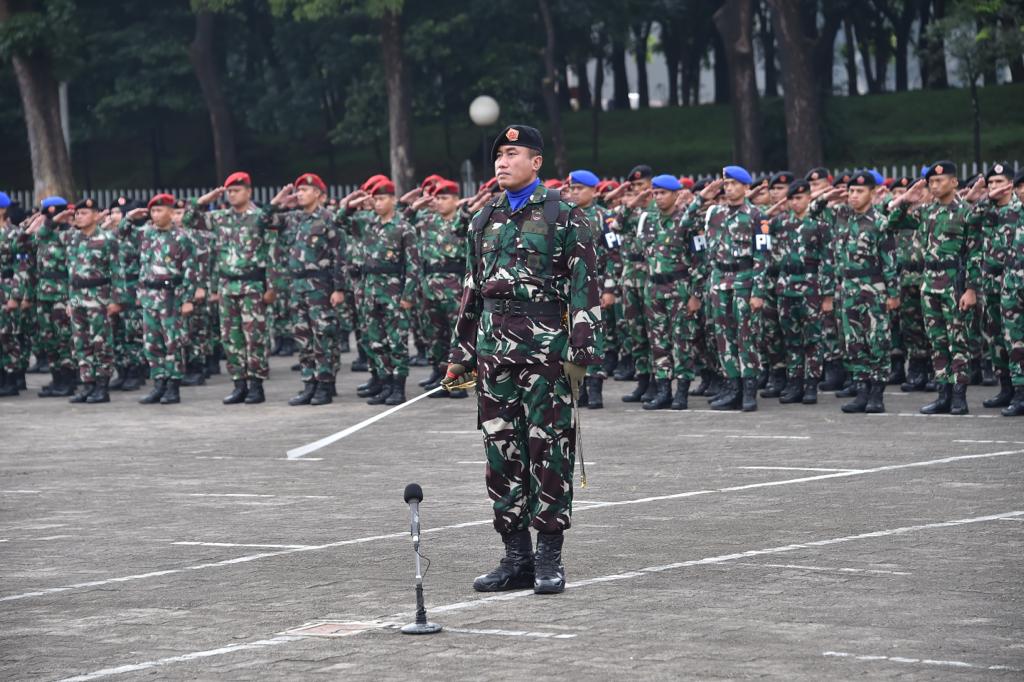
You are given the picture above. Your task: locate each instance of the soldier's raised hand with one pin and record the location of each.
(641, 199)
(777, 207)
(281, 198)
(137, 213)
(977, 191)
(211, 196)
(411, 195)
(712, 189)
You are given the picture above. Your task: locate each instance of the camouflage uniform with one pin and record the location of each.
(607, 243)
(999, 224)
(909, 336)
(50, 292)
(198, 342)
(128, 333)
(524, 276)
(636, 339)
(443, 251)
(12, 287)
(1012, 306)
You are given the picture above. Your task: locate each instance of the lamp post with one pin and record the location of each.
(484, 111)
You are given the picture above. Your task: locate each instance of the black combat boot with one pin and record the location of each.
(941, 404)
(288, 347)
(652, 390)
(626, 371)
(387, 385)
(256, 395)
(56, 376)
(662, 397)
(434, 380)
(101, 392)
(876, 398)
(297, 367)
(397, 395)
(596, 390)
(860, 398)
(515, 571)
(195, 373)
(420, 359)
(731, 398)
(794, 392)
(65, 388)
(583, 399)
(8, 388)
(610, 362)
(371, 387)
(19, 379)
(343, 345)
(681, 400)
(706, 375)
(917, 376)
(549, 573)
(212, 365)
(643, 382)
(305, 395)
(276, 350)
(84, 391)
(848, 390)
(1005, 395)
(154, 396)
(360, 364)
(988, 375)
(136, 378)
(238, 395)
(776, 384)
(974, 367)
(958, 404)
(835, 376)
(1016, 406)
(322, 394)
(897, 371)
(457, 393)
(716, 388)
(120, 376)
(172, 396)
(810, 392)
(749, 395)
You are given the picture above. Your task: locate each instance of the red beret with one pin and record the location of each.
(553, 183)
(686, 182)
(161, 200)
(239, 178)
(446, 187)
(310, 179)
(430, 181)
(384, 186)
(371, 181)
(606, 186)
(491, 185)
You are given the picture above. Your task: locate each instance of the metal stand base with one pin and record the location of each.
(421, 628)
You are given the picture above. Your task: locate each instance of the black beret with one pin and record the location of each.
(862, 179)
(819, 173)
(87, 202)
(797, 187)
(518, 136)
(121, 203)
(1018, 178)
(781, 178)
(999, 168)
(903, 182)
(941, 168)
(844, 179)
(640, 172)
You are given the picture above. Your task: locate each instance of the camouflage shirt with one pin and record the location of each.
(391, 260)
(672, 255)
(736, 242)
(239, 249)
(93, 268)
(129, 235)
(998, 226)
(950, 237)
(11, 282)
(51, 262)
(607, 244)
(802, 256)
(443, 250)
(167, 274)
(634, 234)
(312, 248)
(865, 250)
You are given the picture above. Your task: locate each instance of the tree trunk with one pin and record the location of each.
(595, 110)
(201, 52)
(641, 32)
(851, 59)
(823, 45)
(936, 76)
(767, 36)
(883, 50)
(583, 87)
(673, 54)
(621, 95)
(403, 172)
(564, 96)
(865, 56)
(802, 101)
(598, 93)
(902, 46)
(735, 23)
(548, 90)
(976, 116)
(721, 70)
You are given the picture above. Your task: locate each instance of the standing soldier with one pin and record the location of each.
(167, 285)
(772, 342)
(1012, 308)
(636, 340)
(314, 250)
(129, 320)
(198, 343)
(527, 322)
(909, 337)
(240, 282)
(11, 295)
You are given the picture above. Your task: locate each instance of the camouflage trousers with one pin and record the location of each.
(28, 340)
(281, 314)
(163, 331)
(10, 345)
(92, 335)
(127, 329)
(671, 333)
(604, 340)
(199, 340)
(1012, 309)
(530, 445)
(438, 317)
(909, 338)
(636, 340)
(243, 333)
(949, 334)
(387, 337)
(773, 346)
(800, 317)
(737, 334)
(416, 322)
(707, 357)
(991, 314)
(316, 334)
(865, 330)
(53, 333)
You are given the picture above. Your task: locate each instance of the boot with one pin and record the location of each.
(662, 397)
(19, 379)
(457, 394)
(626, 371)
(810, 392)
(643, 382)
(749, 395)
(276, 350)
(343, 346)
(360, 364)
(776, 384)
(46, 391)
(835, 375)
(860, 400)
(420, 359)
(917, 376)
(706, 376)
(1016, 406)
(322, 394)
(134, 379)
(716, 388)
(681, 400)
(549, 573)
(397, 395)
(256, 395)
(120, 376)
(195, 374)
(297, 367)
(958, 405)
(84, 391)
(288, 347)
(515, 571)
(732, 397)
(988, 376)
(371, 387)
(436, 374)
(975, 368)
(387, 385)
(652, 390)
(172, 396)
(595, 388)
(848, 390)
(941, 404)
(305, 395)
(65, 388)
(897, 371)
(876, 398)
(763, 377)
(929, 373)
(794, 392)
(611, 361)
(154, 396)
(101, 392)
(212, 365)
(583, 399)
(238, 394)
(8, 388)
(1005, 395)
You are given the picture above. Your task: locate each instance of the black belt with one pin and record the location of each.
(314, 274)
(635, 257)
(162, 284)
(862, 272)
(447, 268)
(670, 277)
(993, 269)
(54, 274)
(772, 271)
(912, 267)
(502, 306)
(387, 268)
(802, 269)
(131, 280)
(256, 275)
(737, 266)
(941, 264)
(7, 272)
(88, 282)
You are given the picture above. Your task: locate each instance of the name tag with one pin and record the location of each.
(700, 243)
(613, 240)
(762, 242)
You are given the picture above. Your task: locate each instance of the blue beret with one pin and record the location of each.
(53, 201)
(584, 177)
(738, 173)
(5, 200)
(669, 182)
(924, 171)
(879, 178)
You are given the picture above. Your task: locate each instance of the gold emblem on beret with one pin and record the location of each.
(512, 134)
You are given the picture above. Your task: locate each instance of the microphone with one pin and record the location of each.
(413, 497)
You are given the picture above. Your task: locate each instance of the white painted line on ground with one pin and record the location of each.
(20, 492)
(759, 436)
(839, 569)
(1001, 442)
(920, 661)
(211, 457)
(470, 461)
(933, 416)
(304, 497)
(304, 459)
(797, 469)
(594, 505)
(510, 633)
(456, 433)
(234, 544)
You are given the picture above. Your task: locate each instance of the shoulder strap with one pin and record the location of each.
(552, 207)
(477, 226)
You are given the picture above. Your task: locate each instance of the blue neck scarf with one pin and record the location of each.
(519, 197)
